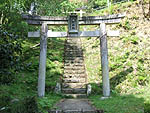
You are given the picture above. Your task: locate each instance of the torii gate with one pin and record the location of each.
(44, 21)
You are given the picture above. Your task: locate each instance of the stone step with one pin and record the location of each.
(74, 76)
(74, 72)
(73, 43)
(79, 49)
(70, 50)
(74, 64)
(73, 85)
(76, 111)
(74, 52)
(74, 68)
(75, 95)
(74, 80)
(73, 61)
(73, 55)
(74, 90)
(72, 47)
(74, 58)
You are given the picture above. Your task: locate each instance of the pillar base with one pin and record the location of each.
(104, 98)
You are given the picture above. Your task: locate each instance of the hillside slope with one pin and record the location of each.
(129, 62)
(129, 54)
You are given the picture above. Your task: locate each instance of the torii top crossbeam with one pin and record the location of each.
(88, 20)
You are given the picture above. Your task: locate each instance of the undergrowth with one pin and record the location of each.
(15, 97)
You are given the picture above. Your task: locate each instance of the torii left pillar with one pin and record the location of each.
(42, 60)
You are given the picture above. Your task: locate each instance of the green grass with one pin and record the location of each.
(119, 103)
(123, 102)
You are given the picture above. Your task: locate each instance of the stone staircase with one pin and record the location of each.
(74, 79)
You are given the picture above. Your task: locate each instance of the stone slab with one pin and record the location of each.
(74, 104)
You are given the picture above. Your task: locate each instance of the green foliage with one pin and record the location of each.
(96, 88)
(6, 77)
(25, 84)
(146, 108)
(112, 9)
(12, 30)
(132, 39)
(27, 105)
(69, 6)
(97, 3)
(47, 102)
(11, 51)
(5, 99)
(59, 7)
(126, 25)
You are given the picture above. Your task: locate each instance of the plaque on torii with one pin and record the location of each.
(73, 22)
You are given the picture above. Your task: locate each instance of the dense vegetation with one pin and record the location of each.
(128, 54)
(20, 56)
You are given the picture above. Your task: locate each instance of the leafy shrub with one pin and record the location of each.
(10, 53)
(6, 77)
(97, 3)
(5, 99)
(31, 104)
(96, 89)
(27, 105)
(12, 30)
(147, 108)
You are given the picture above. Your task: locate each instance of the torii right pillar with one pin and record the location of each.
(104, 61)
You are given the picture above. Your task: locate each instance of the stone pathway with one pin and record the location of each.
(74, 106)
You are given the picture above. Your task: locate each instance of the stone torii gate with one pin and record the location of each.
(44, 33)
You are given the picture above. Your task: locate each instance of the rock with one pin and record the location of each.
(15, 100)
(58, 88)
(89, 89)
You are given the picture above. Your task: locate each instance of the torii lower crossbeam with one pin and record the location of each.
(51, 34)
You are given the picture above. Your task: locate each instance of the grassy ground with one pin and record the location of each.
(119, 103)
